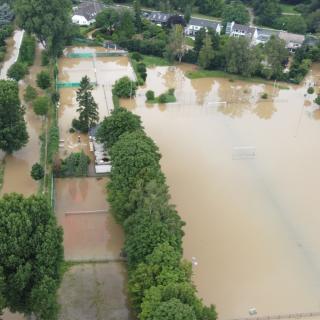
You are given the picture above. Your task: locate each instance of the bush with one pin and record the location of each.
(45, 58)
(264, 95)
(37, 172)
(55, 97)
(171, 92)
(162, 98)
(150, 95)
(41, 105)
(30, 93)
(311, 90)
(75, 165)
(142, 70)
(79, 126)
(44, 79)
(136, 56)
(27, 50)
(17, 71)
(317, 100)
(53, 142)
(124, 88)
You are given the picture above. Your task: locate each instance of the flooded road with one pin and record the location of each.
(18, 165)
(252, 221)
(13, 48)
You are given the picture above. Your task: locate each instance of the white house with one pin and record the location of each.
(85, 14)
(238, 30)
(196, 24)
(264, 35)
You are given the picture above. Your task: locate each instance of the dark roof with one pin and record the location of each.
(89, 10)
(203, 23)
(159, 17)
(243, 28)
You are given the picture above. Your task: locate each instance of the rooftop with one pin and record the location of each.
(203, 23)
(89, 10)
(291, 37)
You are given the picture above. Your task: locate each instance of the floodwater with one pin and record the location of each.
(252, 219)
(13, 48)
(90, 232)
(18, 165)
(102, 70)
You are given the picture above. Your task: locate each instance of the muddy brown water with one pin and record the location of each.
(90, 232)
(252, 224)
(18, 165)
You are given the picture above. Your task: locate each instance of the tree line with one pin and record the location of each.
(160, 283)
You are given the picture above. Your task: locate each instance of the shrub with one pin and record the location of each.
(75, 165)
(53, 142)
(150, 95)
(264, 95)
(37, 172)
(41, 105)
(317, 100)
(79, 126)
(45, 58)
(136, 56)
(162, 98)
(17, 71)
(311, 90)
(171, 91)
(44, 79)
(125, 88)
(30, 93)
(55, 97)
(27, 50)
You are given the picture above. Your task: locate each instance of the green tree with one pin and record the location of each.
(135, 160)
(199, 39)
(162, 267)
(13, 131)
(120, 122)
(88, 109)
(124, 88)
(173, 309)
(154, 221)
(206, 53)
(296, 24)
(17, 71)
(317, 100)
(137, 15)
(211, 7)
(126, 27)
(2, 293)
(277, 55)
(43, 79)
(30, 93)
(237, 12)
(108, 20)
(37, 172)
(31, 255)
(184, 292)
(176, 47)
(41, 105)
(240, 57)
(48, 20)
(268, 11)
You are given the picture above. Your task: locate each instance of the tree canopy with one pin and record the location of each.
(13, 131)
(48, 20)
(31, 255)
(119, 122)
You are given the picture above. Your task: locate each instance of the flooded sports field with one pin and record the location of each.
(243, 172)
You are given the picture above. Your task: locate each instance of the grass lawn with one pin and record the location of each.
(153, 61)
(221, 74)
(287, 8)
(189, 41)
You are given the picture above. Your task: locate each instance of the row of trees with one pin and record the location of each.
(159, 280)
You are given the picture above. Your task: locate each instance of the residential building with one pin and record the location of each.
(293, 41)
(238, 30)
(85, 14)
(159, 18)
(196, 24)
(263, 36)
